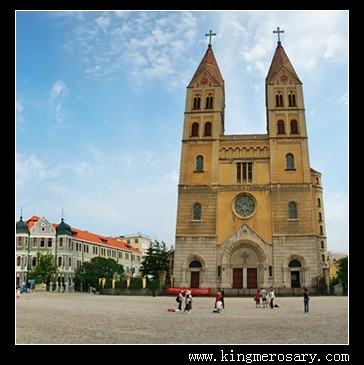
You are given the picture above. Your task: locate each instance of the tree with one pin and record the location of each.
(342, 274)
(89, 273)
(156, 260)
(45, 269)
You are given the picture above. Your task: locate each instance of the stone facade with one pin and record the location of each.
(250, 208)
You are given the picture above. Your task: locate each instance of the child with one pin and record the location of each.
(218, 307)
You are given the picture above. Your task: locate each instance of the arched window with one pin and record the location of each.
(197, 212)
(318, 202)
(294, 263)
(194, 132)
(195, 264)
(280, 127)
(292, 210)
(199, 163)
(320, 217)
(292, 99)
(59, 260)
(209, 101)
(322, 244)
(294, 126)
(323, 258)
(289, 161)
(321, 231)
(208, 127)
(197, 102)
(279, 98)
(317, 181)
(18, 260)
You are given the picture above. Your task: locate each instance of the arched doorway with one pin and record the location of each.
(243, 265)
(195, 268)
(295, 270)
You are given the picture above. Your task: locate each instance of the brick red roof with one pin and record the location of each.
(209, 64)
(280, 61)
(101, 240)
(89, 237)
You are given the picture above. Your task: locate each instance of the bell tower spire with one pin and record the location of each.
(286, 122)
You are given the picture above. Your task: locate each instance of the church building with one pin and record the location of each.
(250, 208)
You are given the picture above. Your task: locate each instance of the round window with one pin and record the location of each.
(244, 205)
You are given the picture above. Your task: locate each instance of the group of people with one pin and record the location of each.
(186, 297)
(262, 297)
(267, 298)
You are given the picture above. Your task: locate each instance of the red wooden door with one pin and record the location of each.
(237, 278)
(252, 281)
(195, 279)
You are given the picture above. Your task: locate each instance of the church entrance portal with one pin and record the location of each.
(251, 275)
(195, 279)
(295, 279)
(195, 268)
(252, 281)
(237, 278)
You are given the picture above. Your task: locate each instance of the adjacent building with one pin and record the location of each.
(139, 241)
(70, 247)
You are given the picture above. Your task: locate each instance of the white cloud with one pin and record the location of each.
(57, 98)
(57, 89)
(343, 99)
(32, 170)
(121, 13)
(103, 21)
(19, 106)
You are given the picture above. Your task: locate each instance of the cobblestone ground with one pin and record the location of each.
(82, 318)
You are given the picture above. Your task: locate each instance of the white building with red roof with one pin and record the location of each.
(70, 247)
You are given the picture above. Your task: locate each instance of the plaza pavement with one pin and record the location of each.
(83, 318)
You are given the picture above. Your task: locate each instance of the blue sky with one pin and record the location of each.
(100, 99)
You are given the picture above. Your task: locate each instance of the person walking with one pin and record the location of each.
(257, 299)
(271, 298)
(306, 299)
(263, 295)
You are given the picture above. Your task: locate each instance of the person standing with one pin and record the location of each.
(257, 299)
(180, 300)
(271, 298)
(188, 302)
(217, 297)
(306, 299)
(263, 295)
(222, 298)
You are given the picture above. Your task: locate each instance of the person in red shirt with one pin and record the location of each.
(218, 297)
(257, 299)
